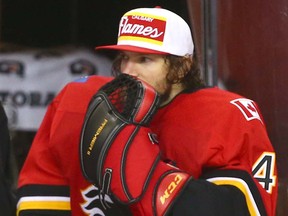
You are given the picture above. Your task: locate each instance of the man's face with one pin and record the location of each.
(150, 68)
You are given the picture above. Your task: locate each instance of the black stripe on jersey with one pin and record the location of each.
(243, 175)
(44, 213)
(43, 190)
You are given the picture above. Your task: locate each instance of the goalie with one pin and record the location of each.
(155, 139)
(215, 139)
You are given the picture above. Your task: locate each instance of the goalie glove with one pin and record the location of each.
(119, 153)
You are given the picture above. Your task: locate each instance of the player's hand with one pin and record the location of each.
(119, 153)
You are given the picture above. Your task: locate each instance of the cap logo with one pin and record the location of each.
(142, 27)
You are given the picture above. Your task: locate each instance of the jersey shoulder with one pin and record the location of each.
(215, 95)
(220, 102)
(76, 95)
(87, 83)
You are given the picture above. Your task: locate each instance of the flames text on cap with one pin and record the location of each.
(142, 27)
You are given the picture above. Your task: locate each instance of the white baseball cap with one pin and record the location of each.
(155, 31)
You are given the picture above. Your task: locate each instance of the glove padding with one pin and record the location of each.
(115, 115)
(118, 151)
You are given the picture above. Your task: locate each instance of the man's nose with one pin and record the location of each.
(130, 68)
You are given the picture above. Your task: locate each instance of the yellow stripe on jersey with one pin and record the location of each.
(43, 203)
(240, 184)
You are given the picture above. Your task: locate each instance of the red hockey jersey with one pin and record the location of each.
(211, 133)
(51, 179)
(221, 136)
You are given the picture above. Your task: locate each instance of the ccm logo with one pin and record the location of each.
(171, 188)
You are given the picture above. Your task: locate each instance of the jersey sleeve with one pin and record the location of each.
(245, 157)
(42, 189)
(202, 197)
(226, 146)
(241, 155)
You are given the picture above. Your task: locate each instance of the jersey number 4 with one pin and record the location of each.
(263, 171)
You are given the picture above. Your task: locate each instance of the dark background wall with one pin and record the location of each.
(52, 22)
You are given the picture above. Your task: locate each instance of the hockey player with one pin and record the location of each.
(213, 140)
(217, 139)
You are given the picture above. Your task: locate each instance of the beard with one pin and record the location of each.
(165, 95)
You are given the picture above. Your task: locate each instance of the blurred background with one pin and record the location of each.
(242, 45)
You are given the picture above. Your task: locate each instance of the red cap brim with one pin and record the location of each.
(131, 48)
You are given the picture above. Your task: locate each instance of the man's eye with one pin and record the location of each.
(145, 59)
